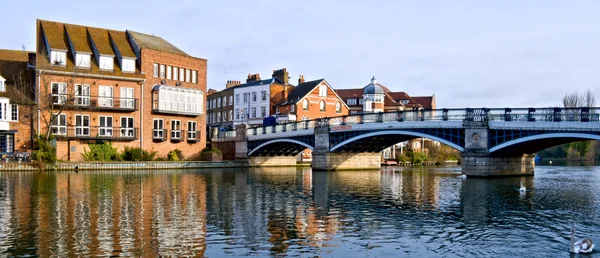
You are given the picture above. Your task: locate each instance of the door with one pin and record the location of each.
(105, 96)
(127, 100)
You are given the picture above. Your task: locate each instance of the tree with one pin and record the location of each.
(575, 100)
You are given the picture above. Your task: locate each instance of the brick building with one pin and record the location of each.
(125, 87)
(219, 106)
(312, 100)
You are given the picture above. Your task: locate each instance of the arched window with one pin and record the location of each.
(338, 107)
(305, 104)
(322, 105)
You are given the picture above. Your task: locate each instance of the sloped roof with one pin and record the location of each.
(350, 93)
(154, 42)
(302, 89)
(79, 38)
(14, 55)
(425, 101)
(120, 40)
(55, 34)
(102, 42)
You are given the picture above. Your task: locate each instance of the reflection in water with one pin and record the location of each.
(293, 211)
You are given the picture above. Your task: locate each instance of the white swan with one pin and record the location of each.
(582, 246)
(522, 189)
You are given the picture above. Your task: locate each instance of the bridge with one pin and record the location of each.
(492, 142)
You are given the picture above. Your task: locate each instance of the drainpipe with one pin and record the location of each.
(142, 116)
(37, 98)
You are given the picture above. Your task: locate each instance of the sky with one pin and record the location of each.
(468, 53)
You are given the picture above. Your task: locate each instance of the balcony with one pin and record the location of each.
(95, 133)
(177, 135)
(193, 136)
(176, 108)
(159, 135)
(95, 103)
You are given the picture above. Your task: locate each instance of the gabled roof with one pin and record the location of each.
(79, 38)
(102, 42)
(14, 55)
(55, 35)
(154, 42)
(120, 40)
(425, 101)
(302, 90)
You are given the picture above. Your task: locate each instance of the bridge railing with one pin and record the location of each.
(544, 114)
(400, 116)
(226, 134)
(285, 127)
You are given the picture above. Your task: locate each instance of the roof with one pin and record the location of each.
(120, 40)
(14, 55)
(79, 38)
(16, 96)
(373, 88)
(350, 93)
(425, 101)
(102, 41)
(154, 42)
(55, 34)
(302, 90)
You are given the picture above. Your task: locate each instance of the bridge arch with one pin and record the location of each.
(297, 146)
(410, 134)
(535, 143)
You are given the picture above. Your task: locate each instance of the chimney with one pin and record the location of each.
(231, 83)
(301, 79)
(282, 75)
(253, 78)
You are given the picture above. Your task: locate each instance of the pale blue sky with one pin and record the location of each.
(467, 53)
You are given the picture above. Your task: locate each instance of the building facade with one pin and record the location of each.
(312, 100)
(128, 88)
(219, 107)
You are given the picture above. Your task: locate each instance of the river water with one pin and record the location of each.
(395, 212)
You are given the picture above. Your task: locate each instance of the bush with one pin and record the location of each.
(211, 150)
(173, 156)
(43, 151)
(137, 154)
(101, 152)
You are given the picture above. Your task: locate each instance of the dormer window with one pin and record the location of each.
(58, 57)
(107, 62)
(128, 65)
(82, 60)
(2, 85)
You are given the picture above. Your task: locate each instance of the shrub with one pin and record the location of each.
(43, 151)
(211, 150)
(137, 154)
(173, 156)
(101, 152)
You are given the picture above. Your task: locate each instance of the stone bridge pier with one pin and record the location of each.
(323, 159)
(478, 162)
(241, 152)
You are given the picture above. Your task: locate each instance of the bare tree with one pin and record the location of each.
(575, 100)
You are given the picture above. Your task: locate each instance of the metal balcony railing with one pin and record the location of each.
(95, 132)
(95, 102)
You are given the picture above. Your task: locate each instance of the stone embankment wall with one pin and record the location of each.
(486, 166)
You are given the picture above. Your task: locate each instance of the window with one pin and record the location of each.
(175, 74)
(322, 105)
(194, 76)
(246, 97)
(59, 124)
(7, 143)
(82, 94)
(263, 95)
(162, 71)
(237, 114)
(127, 127)
(276, 110)
(360, 101)
(82, 60)
(181, 74)
(263, 111)
(105, 96)
(158, 129)
(188, 78)
(351, 101)
(58, 58)
(253, 96)
(231, 100)
(224, 100)
(2, 86)
(169, 70)
(338, 107)
(14, 112)
(237, 98)
(404, 101)
(305, 104)
(192, 133)
(105, 126)
(155, 70)
(292, 108)
(230, 115)
(253, 112)
(128, 65)
(127, 100)
(82, 125)
(175, 129)
(59, 91)
(107, 62)
(218, 102)
(323, 91)
(218, 116)
(224, 116)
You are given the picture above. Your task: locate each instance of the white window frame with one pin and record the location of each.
(128, 65)
(175, 129)
(175, 73)
(305, 104)
(107, 63)
(127, 131)
(237, 114)
(82, 94)
(338, 107)
(218, 102)
(2, 86)
(230, 115)
(14, 112)
(263, 111)
(231, 100)
(155, 70)
(237, 98)
(59, 96)
(58, 58)
(158, 128)
(82, 60)
(181, 74)
(322, 90)
(292, 108)
(263, 95)
(351, 101)
(105, 99)
(188, 76)
(322, 106)
(127, 97)
(161, 71)
(192, 133)
(194, 76)
(81, 129)
(59, 124)
(253, 112)
(169, 72)
(107, 129)
(254, 96)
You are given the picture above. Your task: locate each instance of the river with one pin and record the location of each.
(395, 212)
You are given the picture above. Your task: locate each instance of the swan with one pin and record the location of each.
(522, 189)
(582, 246)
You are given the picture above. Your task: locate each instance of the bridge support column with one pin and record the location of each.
(241, 142)
(478, 165)
(325, 160)
(272, 161)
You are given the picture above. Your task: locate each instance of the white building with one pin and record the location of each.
(252, 102)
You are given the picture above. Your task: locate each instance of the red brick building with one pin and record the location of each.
(312, 100)
(125, 87)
